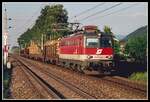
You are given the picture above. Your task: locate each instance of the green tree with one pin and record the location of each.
(15, 49)
(136, 48)
(107, 30)
(116, 46)
(44, 25)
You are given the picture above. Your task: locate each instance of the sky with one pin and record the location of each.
(129, 16)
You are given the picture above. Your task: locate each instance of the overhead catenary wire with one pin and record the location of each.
(122, 9)
(33, 16)
(100, 11)
(29, 20)
(83, 12)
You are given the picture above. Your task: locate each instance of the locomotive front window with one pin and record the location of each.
(90, 33)
(105, 42)
(92, 42)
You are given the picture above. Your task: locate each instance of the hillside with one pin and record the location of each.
(139, 32)
(119, 36)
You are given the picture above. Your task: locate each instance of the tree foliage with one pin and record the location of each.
(15, 49)
(107, 30)
(51, 17)
(136, 47)
(116, 45)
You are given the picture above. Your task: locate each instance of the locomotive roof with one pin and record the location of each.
(81, 32)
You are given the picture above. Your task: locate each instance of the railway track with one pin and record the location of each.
(114, 82)
(86, 87)
(52, 90)
(127, 83)
(121, 82)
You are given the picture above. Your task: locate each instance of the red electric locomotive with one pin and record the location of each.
(87, 50)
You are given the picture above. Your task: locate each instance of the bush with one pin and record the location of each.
(136, 48)
(139, 76)
(5, 83)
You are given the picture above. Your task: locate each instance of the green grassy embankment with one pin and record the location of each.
(140, 77)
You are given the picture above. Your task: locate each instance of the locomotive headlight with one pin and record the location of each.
(89, 57)
(109, 57)
(99, 34)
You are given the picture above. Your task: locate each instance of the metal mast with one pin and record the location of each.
(5, 48)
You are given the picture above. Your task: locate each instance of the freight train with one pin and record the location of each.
(86, 50)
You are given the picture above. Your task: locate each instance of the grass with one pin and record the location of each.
(139, 77)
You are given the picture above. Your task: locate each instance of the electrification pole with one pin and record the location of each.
(5, 48)
(42, 41)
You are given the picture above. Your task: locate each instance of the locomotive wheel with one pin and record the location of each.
(64, 64)
(76, 67)
(82, 68)
(79, 69)
(73, 67)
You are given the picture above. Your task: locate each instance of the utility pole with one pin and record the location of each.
(5, 48)
(42, 41)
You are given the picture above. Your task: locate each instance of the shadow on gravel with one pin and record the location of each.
(125, 69)
(98, 76)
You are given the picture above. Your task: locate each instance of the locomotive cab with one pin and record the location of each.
(98, 48)
(88, 49)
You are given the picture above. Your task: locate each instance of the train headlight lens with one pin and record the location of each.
(89, 57)
(109, 57)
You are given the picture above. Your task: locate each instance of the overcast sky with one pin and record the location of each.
(128, 17)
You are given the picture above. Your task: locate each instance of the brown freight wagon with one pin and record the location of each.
(51, 51)
(24, 51)
(35, 51)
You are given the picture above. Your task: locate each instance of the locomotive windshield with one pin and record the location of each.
(92, 42)
(105, 42)
(90, 33)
